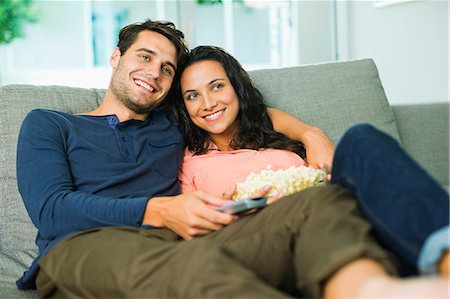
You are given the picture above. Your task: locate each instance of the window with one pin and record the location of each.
(260, 34)
(72, 41)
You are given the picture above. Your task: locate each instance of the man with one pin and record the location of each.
(102, 189)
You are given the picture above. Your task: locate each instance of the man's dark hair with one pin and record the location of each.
(128, 34)
(255, 129)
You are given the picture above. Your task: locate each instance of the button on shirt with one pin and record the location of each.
(77, 172)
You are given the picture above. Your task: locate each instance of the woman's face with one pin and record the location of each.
(210, 100)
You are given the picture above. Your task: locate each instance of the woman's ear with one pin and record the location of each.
(115, 57)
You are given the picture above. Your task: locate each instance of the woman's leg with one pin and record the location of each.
(401, 200)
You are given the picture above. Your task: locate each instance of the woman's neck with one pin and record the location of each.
(223, 144)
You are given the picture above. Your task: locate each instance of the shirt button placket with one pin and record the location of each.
(125, 143)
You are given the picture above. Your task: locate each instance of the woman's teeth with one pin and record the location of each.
(214, 115)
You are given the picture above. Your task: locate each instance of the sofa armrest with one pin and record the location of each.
(424, 134)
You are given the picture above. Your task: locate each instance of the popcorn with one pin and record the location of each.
(286, 181)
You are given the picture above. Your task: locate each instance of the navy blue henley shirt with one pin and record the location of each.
(77, 172)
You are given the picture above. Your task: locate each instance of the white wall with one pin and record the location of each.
(58, 48)
(409, 44)
(316, 29)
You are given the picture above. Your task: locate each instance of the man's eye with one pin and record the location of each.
(166, 70)
(145, 57)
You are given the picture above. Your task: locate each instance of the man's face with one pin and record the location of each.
(143, 75)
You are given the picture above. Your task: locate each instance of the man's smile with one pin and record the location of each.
(147, 86)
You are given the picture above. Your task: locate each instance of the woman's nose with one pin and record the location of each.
(209, 102)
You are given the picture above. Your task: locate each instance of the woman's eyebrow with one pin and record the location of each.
(211, 82)
(215, 80)
(189, 90)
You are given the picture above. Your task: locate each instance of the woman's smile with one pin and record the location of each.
(214, 116)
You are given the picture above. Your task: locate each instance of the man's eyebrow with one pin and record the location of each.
(153, 53)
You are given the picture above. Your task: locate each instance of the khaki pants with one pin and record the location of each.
(287, 249)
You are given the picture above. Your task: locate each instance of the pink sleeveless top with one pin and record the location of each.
(216, 171)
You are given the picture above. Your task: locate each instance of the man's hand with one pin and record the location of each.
(189, 215)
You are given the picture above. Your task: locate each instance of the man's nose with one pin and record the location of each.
(153, 70)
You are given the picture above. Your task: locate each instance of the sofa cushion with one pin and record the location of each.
(12, 264)
(424, 133)
(17, 233)
(331, 96)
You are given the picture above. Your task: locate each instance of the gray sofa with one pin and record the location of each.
(332, 96)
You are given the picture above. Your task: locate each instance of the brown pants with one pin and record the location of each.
(286, 249)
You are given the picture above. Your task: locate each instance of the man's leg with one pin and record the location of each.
(139, 263)
(299, 242)
(399, 198)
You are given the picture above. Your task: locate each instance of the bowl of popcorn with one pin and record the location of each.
(285, 181)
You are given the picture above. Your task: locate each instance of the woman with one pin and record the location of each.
(214, 127)
(229, 135)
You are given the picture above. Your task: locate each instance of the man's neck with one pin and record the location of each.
(110, 106)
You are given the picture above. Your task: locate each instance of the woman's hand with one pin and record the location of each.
(319, 148)
(228, 194)
(327, 168)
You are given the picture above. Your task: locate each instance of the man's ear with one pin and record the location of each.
(115, 57)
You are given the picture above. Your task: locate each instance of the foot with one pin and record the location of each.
(420, 288)
(444, 264)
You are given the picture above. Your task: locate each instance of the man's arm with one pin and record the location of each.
(319, 148)
(44, 179)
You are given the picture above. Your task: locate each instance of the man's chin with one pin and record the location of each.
(141, 109)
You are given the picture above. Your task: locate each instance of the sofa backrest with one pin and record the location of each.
(331, 96)
(16, 230)
(425, 134)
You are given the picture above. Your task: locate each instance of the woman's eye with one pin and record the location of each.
(191, 96)
(217, 86)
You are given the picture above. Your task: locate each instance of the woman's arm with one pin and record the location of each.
(319, 148)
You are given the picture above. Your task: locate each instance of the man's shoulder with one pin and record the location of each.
(46, 113)
(47, 117)
(43, 122)
(161, 113)
(163, 118)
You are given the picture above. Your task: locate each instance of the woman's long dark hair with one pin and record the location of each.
(255, 129)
